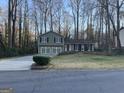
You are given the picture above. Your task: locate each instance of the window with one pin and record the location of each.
(70, 47)
(58, 40)
(54, 50)
(43, 40)
(65, 47)
(59, 50)
(47, 50)
(47, 40)
(76, 47)
(43, 50)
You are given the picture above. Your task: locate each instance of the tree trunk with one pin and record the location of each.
(9, 24)
(77, 37)
(13, 34)
(51, 16)
(41, 23)
(14, 9)
(6, 33)
(45, 23)
(20, 27)
(118, 25)
(108, 22)
(59, 25)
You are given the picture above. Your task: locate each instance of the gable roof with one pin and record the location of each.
(53, 33)
(121, 29)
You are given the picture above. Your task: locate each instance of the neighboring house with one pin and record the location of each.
(121, 34)
(52, 43)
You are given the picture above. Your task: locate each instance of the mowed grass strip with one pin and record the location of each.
(87, 61)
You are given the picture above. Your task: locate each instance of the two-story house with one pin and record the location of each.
(50, 44)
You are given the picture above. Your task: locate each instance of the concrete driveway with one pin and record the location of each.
(19, 63)
(63, 81)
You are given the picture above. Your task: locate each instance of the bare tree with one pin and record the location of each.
(26, 25)
(14, 15)
(20, 25)
(58, 12)
(75, 4)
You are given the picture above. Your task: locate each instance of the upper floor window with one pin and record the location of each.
(58, 40)
(43, 40)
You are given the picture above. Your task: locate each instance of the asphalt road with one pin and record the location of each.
(63, 81)
(16, 63)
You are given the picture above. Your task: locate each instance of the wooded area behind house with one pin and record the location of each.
(93, 20)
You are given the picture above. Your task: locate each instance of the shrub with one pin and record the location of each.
(11, 52)
(99, 50)
(40, 60)
(8, 52)
(118, 51)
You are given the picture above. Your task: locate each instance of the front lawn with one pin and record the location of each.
(87, 61)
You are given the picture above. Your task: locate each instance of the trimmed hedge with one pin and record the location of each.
(11, 52)
(41, 60)
(118, 51)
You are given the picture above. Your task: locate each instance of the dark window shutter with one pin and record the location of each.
(47, 39)
(40, 39)
(54, 40)
(61, 40)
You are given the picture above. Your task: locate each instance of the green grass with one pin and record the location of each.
(88, 61)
